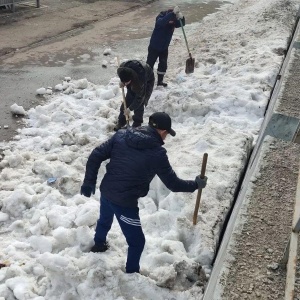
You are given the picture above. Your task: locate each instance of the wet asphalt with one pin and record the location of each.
(20, 80)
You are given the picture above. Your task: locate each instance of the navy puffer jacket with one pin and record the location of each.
(163, 30)
(136, 156)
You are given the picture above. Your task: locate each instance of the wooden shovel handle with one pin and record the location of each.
(202, 175)
(124, 103)
(123, 94)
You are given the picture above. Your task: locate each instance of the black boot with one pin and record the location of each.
(160, 79)
(100, 247)
(135, 124)
(118, 126)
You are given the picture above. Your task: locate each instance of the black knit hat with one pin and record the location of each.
(161, 120)
(125, 74)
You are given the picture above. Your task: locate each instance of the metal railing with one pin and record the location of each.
(11, 3)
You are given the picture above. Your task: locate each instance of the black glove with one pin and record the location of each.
(201, 182)
(87, 190)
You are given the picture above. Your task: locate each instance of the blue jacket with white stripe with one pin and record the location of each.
(162, 34)
(136, 156)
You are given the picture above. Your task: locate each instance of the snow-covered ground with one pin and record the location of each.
(47, 227)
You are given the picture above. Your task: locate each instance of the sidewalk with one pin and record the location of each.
(250, 266)
(263, 228)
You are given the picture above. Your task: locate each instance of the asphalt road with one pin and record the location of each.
(41, 46)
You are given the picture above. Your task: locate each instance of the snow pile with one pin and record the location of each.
(47, 226)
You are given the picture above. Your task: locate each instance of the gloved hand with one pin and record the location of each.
(176, 10)
(179, 15)
(201, 182)
(87, 190)
(121, 84)
(127, 112)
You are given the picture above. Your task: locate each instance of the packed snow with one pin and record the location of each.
(17, 109)
(47, 227)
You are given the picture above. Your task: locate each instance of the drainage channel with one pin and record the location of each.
(271, 122)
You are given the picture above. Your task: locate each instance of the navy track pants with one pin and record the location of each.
(163, 60)
(129, 221)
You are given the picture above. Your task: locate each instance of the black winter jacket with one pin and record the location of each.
(142, 83)
(136, 156)
(163, 30)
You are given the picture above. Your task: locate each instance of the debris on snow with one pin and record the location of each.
(51, 180)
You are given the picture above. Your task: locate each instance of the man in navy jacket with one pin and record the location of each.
(160, 40)
(136, 156)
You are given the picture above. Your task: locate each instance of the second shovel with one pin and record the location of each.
(190, 62)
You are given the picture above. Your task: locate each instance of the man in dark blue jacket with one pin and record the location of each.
(139, 79)
(136, 156)
(160, 40)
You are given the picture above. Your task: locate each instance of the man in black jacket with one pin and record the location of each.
(136, 156)
(160, 40)
(139, 79)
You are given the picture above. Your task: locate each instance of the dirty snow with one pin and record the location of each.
(47, 228)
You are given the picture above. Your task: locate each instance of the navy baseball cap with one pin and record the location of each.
(161, 120)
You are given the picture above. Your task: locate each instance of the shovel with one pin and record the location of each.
(203, 169)
(124, 98)
(125, 106)
(190, 62)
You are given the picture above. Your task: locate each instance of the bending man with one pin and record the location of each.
(138, 78)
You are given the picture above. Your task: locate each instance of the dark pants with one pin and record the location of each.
(138, 113)
(162, 63)
(129, 221)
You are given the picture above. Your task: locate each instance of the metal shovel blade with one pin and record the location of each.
(190, 65)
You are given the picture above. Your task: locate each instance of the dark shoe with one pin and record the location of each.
(118, 126)
(100, 247)
(134, 124)
(162, 84)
